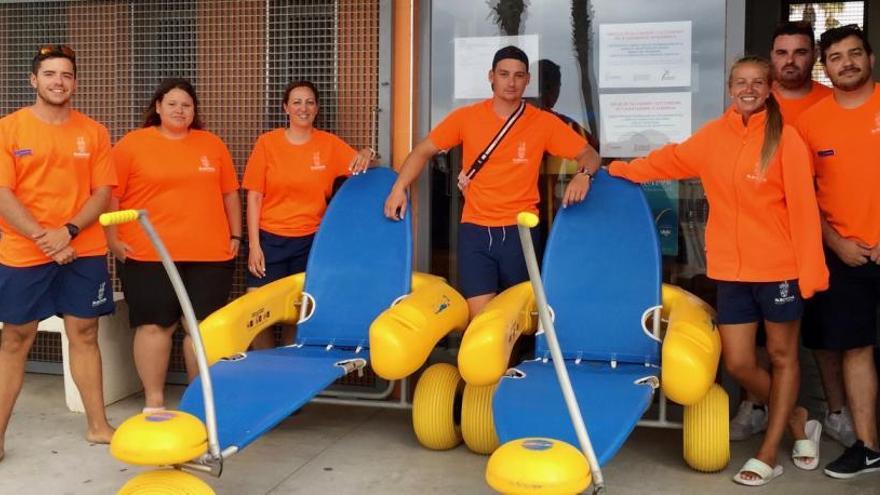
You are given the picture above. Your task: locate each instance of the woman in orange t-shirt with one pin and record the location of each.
(764, 248)
(184, 177)
(289, 179)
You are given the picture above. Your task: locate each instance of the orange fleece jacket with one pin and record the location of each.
(761, 227)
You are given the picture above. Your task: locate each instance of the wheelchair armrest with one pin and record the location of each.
(230, 329)
(484, 355)
(691, 349)
(402, 337)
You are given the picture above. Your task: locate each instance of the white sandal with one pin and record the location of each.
(808, 448)
(765, 473)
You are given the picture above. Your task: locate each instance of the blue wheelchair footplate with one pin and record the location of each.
(611, 403)
(254, 394)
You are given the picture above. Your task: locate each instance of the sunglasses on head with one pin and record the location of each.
(58, 50)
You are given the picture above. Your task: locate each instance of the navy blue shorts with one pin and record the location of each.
(845, 316)
(284, 256)
(490, 259)
(81, 288)
(750, 302)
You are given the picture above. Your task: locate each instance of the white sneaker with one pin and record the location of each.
(839, 426)
(748, 421)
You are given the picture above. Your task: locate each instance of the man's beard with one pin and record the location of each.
(794, 80)
(852, 85)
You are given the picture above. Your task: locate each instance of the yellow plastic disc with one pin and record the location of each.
(538, 466)
(165, 482)
(160, 439)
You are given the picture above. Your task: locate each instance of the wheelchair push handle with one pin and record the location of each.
(525, 221)
(117, 217)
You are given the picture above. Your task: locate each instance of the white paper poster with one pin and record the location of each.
(645, 55)
(634, 124)
(473, 61)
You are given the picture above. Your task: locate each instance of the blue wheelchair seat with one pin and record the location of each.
(601, 273)
(359, 264)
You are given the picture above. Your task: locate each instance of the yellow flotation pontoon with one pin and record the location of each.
(485, 350)
(691, 347)
(402, 337)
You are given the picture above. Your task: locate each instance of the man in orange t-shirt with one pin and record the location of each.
(55, 179)
(843, 133)
(490, 258)
(792, 56)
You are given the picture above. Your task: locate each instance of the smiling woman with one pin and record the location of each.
(289, 178)
(764, 243)
(184, 178)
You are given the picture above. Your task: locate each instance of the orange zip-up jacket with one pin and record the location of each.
(761, 227)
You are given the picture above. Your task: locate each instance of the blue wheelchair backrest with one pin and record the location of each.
(359, 264)
(601, 273)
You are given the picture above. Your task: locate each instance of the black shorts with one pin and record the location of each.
(490, 259)
(151, 298)
(845, 316)
(750, 302)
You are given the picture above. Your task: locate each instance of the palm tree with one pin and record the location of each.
(581, 19)
(508, 14)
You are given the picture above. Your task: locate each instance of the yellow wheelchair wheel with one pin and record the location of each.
(435, 410)
(477, 422)
(707, 432)
(165, 482)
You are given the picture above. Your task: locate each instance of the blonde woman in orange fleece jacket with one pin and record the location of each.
(763, 243)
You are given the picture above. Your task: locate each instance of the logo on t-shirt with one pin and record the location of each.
(316, 161)
(82, 150)
(876, 128)
(825, 153)
(23, 152)
(785, 295)
(521, 153)
(205, 165)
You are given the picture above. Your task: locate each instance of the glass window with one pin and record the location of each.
(824, 16)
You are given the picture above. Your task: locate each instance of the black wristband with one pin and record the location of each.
(236, 237)
(72, 229)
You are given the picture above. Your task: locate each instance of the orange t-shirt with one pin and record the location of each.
(181, 183)
(296, 180)
(792, 108)
(52, 170)
(761, 227)
(845, 144)
(508, 181)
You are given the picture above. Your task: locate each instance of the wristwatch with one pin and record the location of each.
(587, 172)
(72, 229)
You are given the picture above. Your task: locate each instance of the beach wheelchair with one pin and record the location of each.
(358, 304)
(622, 335)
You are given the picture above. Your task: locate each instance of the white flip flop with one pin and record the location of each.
(765, 473)
(808, 448)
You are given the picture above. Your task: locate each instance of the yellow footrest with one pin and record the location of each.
(538, 466)
(160, 439)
